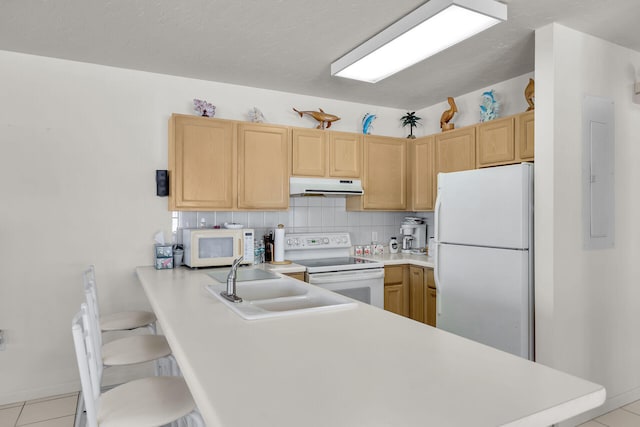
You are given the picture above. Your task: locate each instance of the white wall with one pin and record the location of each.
(80, 144)
(587, 302)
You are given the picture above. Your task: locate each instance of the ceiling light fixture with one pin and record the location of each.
(434, 26)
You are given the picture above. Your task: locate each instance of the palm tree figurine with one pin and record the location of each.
(412, 120)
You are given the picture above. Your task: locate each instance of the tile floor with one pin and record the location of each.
(59, 411)
(55, 411)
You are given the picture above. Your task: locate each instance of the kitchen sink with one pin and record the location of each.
(263, 299)
(253, 291)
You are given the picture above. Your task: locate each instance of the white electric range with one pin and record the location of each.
(329, 264)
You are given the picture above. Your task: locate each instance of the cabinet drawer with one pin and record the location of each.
(393, 275)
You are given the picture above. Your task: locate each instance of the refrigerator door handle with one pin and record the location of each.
(436, 232)
(436, 235)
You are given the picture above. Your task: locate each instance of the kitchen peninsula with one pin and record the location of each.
(352, 367)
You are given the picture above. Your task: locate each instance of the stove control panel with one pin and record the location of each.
(297, 241)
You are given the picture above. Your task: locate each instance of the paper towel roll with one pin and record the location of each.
(278, 244)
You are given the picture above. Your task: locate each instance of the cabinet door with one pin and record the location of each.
(385, 173)
(396, 295)
(525, 135)
(416, 294)
(263, 167)
(201, 163)
(456, 150)
(422, 181)
(495, 143)
(430, 295)
(345, 155)
(394, 299)
(308, 152)
(431, 307)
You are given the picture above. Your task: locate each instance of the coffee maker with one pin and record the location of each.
(407, 231)
(414, 235)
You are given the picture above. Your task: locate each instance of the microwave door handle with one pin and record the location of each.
(241, 244)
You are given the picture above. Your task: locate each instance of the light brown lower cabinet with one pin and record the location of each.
(396, 296)
(299, 276)
(410, 291)
(416, 293)
(430, 295)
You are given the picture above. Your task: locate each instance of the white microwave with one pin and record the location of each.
(217, 247)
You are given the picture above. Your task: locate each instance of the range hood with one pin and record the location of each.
(325, 187)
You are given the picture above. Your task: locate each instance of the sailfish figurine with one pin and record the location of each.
(448, 115)
(529, 94)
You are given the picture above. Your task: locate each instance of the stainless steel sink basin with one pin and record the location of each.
(272, 298)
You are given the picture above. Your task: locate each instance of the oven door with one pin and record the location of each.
(363, 285)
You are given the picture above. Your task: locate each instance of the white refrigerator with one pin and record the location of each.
(484, 257)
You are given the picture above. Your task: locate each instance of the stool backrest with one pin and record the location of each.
(93, 316)
(88, 361)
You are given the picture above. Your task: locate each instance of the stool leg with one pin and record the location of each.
(79, 412)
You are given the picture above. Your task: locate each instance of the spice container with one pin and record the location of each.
(393, 245)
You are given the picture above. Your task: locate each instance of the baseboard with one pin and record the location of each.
(39, 393)
(609, 405)
(111, 376)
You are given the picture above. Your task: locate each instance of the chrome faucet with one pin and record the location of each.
(230, 294)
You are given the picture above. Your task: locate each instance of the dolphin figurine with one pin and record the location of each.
(320, 116)
(367, 121)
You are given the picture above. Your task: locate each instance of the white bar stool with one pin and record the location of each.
(147, 402)
(123, 351)
(121, 321)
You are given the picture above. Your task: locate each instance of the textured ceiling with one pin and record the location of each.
(288, 45)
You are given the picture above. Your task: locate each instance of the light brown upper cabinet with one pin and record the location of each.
(309, 152)
(495, 143)
(422, 174)
(202, 169)
(345, 155)
(384, 177)
(525, 136)
(456, 150)
(263, 166)
(327, 154)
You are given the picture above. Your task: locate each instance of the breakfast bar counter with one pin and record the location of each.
(360, 366)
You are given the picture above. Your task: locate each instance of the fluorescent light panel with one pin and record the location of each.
(431, 28)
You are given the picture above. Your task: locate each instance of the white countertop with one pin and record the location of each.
(359, 367)
(399, 258)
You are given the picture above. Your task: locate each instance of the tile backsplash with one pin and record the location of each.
(312, 214)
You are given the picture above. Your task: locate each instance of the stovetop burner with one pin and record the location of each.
(325, 252)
